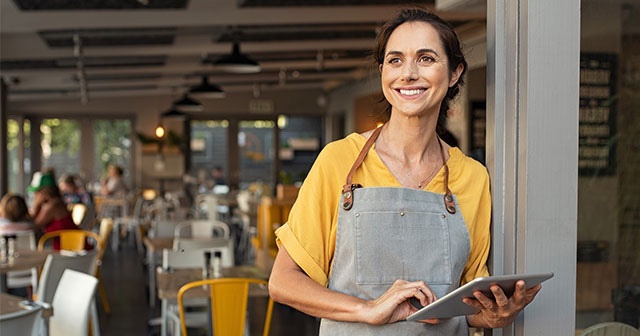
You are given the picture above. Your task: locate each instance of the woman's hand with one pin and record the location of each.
(502, 311)
(394, 305)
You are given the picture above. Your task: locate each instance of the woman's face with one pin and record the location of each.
(415, 72)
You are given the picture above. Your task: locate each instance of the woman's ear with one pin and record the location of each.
(455, 75)
(380, 67)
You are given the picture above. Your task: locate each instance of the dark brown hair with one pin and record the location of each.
(449, 40)
(14, 208)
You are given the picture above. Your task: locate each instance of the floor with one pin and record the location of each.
(125, 276)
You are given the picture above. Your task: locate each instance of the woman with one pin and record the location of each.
(412, 219)
(50, 212)
(14, 214)
(114, 184)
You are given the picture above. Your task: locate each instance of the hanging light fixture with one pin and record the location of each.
(173, 113)
(206, 90)
(236, 62)
(188, 104)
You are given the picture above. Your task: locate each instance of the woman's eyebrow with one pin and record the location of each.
(418, 52)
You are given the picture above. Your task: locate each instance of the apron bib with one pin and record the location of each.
(390, 233)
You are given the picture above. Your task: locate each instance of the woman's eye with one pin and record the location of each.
(427, 59)
(393, 60)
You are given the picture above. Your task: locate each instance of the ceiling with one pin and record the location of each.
(78, 49)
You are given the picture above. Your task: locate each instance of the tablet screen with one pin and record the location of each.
(451, 304)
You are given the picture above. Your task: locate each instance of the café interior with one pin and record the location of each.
(216, 110)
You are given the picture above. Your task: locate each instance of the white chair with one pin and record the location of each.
(54, 267)
(202, 228)
(193, 258)
(72, 304)
(208, 207)
(610, 329)
(25, 240)
(22, 322)
(187, 244)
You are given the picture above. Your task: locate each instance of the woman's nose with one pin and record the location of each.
(410, 71)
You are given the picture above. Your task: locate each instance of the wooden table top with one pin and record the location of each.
(169, 282)
(11, 304)
(23, 260)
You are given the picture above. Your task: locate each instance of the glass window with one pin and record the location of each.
(14, 146)
(112, 144)
(208, 150)
(608, 267)
(60, 145)
(255, 143)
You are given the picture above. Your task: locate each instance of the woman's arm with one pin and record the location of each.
(290, 285)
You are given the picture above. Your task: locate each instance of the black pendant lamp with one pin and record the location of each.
(206, 90)
(188, 104)
(237, 62)
(173, 113)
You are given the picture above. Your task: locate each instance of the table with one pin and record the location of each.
(22, 260)
(169, 284)
(154, 248)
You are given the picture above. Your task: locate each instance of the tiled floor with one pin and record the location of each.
(125, 277)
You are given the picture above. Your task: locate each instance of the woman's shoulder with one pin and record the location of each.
(462, 165)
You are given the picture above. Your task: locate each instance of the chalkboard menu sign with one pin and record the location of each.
(596, 152)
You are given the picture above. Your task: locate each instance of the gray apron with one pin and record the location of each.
(389, 233)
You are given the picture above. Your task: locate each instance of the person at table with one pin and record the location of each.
(72, 193)
(395, 213)
(114, 184)
(14, 214)
(50, 212)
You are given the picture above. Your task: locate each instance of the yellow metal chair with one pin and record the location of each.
(229, 298)
(71, 240)
(106, 226)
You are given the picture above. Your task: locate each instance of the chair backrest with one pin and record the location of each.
(610, 329)
(54, 267)
(71, 240)
(187, 244)
(229, 298)
(202, 228)
(21, 322)
(106, 226)
(72, 304)
(194, 257)
(25, 240)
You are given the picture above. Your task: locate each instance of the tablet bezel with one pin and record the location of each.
(451, 304)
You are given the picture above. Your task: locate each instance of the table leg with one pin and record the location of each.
(163, 326)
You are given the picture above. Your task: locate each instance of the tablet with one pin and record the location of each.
(451, 304)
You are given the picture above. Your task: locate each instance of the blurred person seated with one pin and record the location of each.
(72, 193)
(49, 211)
(114, 184)
(14, 214)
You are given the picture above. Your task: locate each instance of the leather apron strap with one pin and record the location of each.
(349, 186)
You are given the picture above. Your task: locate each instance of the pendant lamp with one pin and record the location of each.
(237, 62)
(173, 114)
(206, 90)
(188, 104)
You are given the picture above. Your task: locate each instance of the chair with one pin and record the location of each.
(208, 228)
(84, 216)
(229, 298)
(133, 224)
(22, 322)
(207, 207)
(106, 226)
(193, 258)
(72, 304)
(25, 240)
(187, 244)
(71, 240)
(54, 267)
(610, 329)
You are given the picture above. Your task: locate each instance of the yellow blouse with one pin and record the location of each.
(310, 233)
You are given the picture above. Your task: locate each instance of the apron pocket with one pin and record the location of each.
(402, 245)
